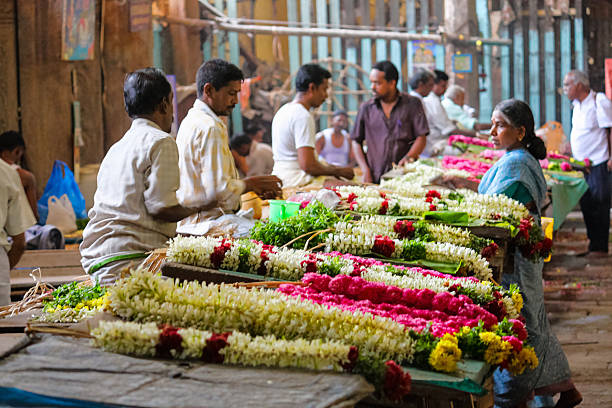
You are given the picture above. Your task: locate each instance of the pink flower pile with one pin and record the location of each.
(470, 140)
(492, 154)
(414, 308)
(474, 167)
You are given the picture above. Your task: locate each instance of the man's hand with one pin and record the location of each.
(610, 164)
(265, 187)
(405, 160)
(346, 172)
(367, 176)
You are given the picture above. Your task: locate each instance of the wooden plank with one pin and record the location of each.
(534, 63)
(486, 96)
(46, 91)
(566, 66)
(196, 273)
(123, 52)
(550, 85)
(234, 49)
(49, 257)
(380, 23)
(395, 46)
(579, 43)
(322, 49)
(305, 8)
(518, 56)
(366, 43)
(221, 35)
(9, 107)
(504, 53)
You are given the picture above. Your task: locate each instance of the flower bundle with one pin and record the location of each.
(474, 167)
(291, 264)
(470, 141)
(531, 242)
(71, 303)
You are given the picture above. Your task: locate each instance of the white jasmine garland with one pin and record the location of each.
(446, 252)
(145, 297)
(241, 349)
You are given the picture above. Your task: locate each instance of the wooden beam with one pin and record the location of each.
(9, 107)
(504, 63)
(234, 50)
(352, 103)
(220, 5)
(439, 48)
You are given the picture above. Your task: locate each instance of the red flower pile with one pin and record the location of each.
(530, 241)
(489, 251)
(218, 255)
(384, 206)
(214, 344)
(169, 339)
(404, 229)
(397, 382)
(384, 246)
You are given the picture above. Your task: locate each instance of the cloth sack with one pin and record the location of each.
(61, 214)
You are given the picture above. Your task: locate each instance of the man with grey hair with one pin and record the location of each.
(454, 99)
(590, 139)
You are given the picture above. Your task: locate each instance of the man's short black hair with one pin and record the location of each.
(238, 140)
(252, 130)
(218, 73)
(11, 139)
(439, 76)
(310, 74)
(391, 73)
(144, 90)
(421, 76)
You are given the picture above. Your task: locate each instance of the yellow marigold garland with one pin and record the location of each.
(446, 354)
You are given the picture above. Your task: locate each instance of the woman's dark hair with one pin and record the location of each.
(218, 73)
(11, 139)
(391, 73)
(310, 74)
(519, 114)
(144, 90)
(422, 76)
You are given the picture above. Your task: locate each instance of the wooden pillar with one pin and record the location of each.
(305, 8)
(336, 43)
(411, 27)
(534, 63)
(439, 48)
(322, 50)
(395, 46)
(294, 45)
(351, 56)
(579, 43)
(9, 117)
(550, 85)
(518, 57)
(486, 96)
(366, 43)
(504, 63)
(566, 66)
(185, 42)
(380, 23)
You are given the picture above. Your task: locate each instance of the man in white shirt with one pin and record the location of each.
(208, 172)
(135, 206)
(15, 217)
(453, 104)
(260, 160)
(590, 139)
(293, 132)
(334, 144)
(440, 126)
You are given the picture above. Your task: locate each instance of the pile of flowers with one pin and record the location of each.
(531, 242)
(71, 303)
(454, 139)
(475, 167)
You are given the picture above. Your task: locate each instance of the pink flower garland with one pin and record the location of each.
(470, 140)
(474, 167)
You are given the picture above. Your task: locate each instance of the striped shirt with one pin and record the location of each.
(208, 172)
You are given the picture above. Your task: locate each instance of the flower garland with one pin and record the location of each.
(236, 348)
(470, 140)
(295, 263)
(474, 167)
(72, 303)
(145, 297)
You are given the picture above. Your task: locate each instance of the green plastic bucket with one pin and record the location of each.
(281, 209)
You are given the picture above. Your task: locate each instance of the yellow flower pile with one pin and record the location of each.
(445, 355)
(497, 350)
(517, 298)
(526, 358)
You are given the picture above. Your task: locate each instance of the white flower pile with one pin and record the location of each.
(445, 252)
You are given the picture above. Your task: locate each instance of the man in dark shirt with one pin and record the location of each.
(393, 125)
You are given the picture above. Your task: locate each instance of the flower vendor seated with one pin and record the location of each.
(453, 104)
(334, 144)
(518, 175)
(392, 124)
(208, 171)
(293, 132)
(135, 206)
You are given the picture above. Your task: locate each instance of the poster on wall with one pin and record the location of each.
(78, 29)
(423, 55)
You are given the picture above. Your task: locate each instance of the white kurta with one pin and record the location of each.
(208, 171)
(138, 177)
(589, 138)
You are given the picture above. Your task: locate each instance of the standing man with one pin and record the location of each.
(208, 172)
(15, 217)
(440, 126)
(260, 160)
(135, 206)
(393, 125)
(293, 132)
(334, 144)
(590, 139)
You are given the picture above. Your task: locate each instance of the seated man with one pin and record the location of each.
(334, 144)
(12, 148)
(293, 132)
(240, 146)
(260, 160)
(135, 206)
(453, 104)
(208, 172)
(15, 218)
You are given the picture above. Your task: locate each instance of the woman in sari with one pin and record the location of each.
(518, 175)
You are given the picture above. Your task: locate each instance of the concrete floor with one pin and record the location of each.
(579, 305)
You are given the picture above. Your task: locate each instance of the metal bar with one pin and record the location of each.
(306, 41)
(157, 45)
(207, 46)
(486, 96)
(579, 36)
(550, 86)
(352, 102)
(411, 27)
(230, 25)
(366, 43)
(424, 13)
(566, 66)
(322, 50)
(336, 45)
(395, 47)
(439, 48)
(379, 21)
(534, 62)
(519, 56)
(294, 45)
(234, 51)
(504, 64)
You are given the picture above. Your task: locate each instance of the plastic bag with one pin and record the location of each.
(61, 214)
(61, 182)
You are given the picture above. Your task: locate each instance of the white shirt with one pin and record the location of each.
(589, 120)
(208, 171)
(440, 125)
(15, 212)
(338, 156)
(138, 177)
(456, 113)
(293, 127)
(260, 159)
